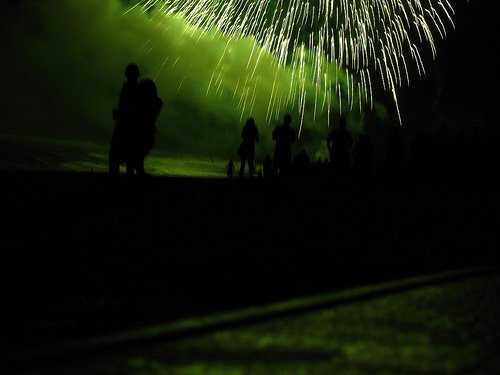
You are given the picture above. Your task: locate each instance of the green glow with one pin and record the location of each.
(42, 153)
(445, 328)
(430, 330)
(175, 166)
(367, 38)
(65, 70)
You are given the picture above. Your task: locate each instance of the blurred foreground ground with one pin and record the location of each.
(444, 329)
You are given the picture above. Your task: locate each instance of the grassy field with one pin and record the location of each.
(43, 154)
(452, 328)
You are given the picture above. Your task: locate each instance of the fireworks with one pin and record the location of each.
(367, 39)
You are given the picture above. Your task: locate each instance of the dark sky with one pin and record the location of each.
(460, 86)
(468, 55)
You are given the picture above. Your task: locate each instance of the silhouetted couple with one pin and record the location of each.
(283, 135)
(135, 129)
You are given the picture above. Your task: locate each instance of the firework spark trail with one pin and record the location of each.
(366, 38)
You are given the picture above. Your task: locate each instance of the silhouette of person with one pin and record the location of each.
(420, 156)
(458, 151)
(363, 155)
(284, 137)
(441, 151)
(442, 135)
(126, 116)
(302, 165)
(339, 144)
(230, 169)
(475, 153)
(394, 155)
(144, 129)
(250, 136)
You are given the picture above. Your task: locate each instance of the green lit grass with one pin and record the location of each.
(444, 329)
(43, 154)
(185, 166)
(158, 165)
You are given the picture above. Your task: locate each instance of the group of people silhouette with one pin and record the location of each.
(139, 107)
(349, 157)
(135, 129)
(339, 143)
(281, 164)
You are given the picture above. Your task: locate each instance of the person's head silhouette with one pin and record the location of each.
(342, 123)
(250, 122)
(287, 120)
(132, 72)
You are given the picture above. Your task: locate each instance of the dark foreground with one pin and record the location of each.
(84, 255)
(443, 328)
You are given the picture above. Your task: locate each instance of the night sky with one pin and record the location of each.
(63, 67)
(460, 86)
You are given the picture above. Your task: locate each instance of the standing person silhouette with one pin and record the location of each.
(339, 144)
(284, 136)
(250, 136)
(393, 163)
(363, 155)
(230, 169)
(126, 117)
(144, 129)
